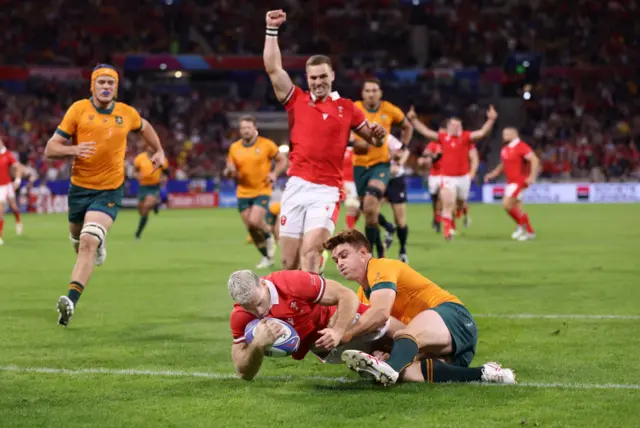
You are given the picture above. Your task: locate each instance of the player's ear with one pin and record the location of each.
(333, 75)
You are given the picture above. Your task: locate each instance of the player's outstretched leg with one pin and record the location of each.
(91, 252)
(1, 222)
(371, 209)
(144, 207)
(400, 217)
(436, 371)
(15, 209)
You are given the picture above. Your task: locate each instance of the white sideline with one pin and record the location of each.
(560, 316)
(225, 376)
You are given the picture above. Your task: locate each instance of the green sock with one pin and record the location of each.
(373, 235)
(403, 352)
(75, 291)
(141, 225)
(435, 371)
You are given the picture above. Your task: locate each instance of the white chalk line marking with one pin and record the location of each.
(228, 376)
(560, 316)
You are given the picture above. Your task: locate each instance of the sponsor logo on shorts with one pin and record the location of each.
(111, 204)
(283, 220)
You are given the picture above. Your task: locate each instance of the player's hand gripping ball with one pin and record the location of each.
(284, 345)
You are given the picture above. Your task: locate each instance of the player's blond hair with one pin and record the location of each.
(241, 285)
(352, 237)
(319, 60)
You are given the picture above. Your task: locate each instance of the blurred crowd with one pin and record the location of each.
(587, 128)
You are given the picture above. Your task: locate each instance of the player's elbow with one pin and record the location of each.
(49, 150)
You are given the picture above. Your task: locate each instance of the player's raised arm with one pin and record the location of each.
(474, 160)
(282, 84)
(419, 126)
(492, 116)
(347, 306)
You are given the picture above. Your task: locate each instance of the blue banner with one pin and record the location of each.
(416, 189)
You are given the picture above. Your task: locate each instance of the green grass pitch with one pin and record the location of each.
(149, 345)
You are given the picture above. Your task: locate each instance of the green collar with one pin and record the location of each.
(251, 143)
(101, 110)
(374, 110)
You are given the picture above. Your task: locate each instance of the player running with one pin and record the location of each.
(431, 157)
(521, 167)
(457, 152)
(9, 186)
(249, 161)
(396, 195)
(151, 180)
(98, 129)
(319, 309)
(438, 326)
(372, 164)
(319, 125)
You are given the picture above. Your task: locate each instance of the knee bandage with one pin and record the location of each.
(95, 230)
(374, 191)
(75, 240)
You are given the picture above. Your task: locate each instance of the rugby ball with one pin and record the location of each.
(284, 346)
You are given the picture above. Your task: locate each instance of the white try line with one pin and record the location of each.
(228, 376)
(560, 316)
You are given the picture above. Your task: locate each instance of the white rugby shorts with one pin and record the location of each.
(306, 206)
(460, 185)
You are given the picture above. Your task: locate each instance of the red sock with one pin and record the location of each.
(458, 213)
(515, 215)
(351, 221)
(17, 216)
(524, 221)
(1, 226)
(446, 220)
(465, 210)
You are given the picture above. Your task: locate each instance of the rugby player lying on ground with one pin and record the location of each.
(438, 327)
(319, 309)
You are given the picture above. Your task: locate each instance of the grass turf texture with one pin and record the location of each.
(161, 304)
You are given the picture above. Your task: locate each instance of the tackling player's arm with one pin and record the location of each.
(346, 303)
(474, 159)
(282, 84)
(494, 172)
(419, 126)
(380, 305)
(247, 357)
(478, 134)
(534, 162)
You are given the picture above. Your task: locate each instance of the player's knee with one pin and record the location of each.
(507, 203)
(92, 235)
(374, 192)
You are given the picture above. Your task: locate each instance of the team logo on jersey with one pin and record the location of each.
(257, 151)
(383, 116)
(119, 120)
(324, 116)
(294, 306)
